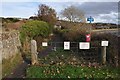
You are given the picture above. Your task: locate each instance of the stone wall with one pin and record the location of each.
(9, 44)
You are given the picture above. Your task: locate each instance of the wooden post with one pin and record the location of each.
(104, 44)
(104, 55)
(34, 52)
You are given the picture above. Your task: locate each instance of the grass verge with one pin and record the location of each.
(70, 71)
(9, 64)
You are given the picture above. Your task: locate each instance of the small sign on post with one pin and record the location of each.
(44, 44)
(90, 19)
(66, 45)
(84, 45)
(104, 44)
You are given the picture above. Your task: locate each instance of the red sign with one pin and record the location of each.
(88, 38)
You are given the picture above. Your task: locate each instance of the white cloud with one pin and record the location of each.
(111, 15)
(107, 18)
(16, 9)
(0, 8)
(60, 1)
(26, 9)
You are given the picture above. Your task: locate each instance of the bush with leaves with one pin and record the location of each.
(33, 29)
(74, 33)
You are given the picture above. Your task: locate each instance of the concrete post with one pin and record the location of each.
(104, 55)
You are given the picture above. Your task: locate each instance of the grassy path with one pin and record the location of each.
(20, 70)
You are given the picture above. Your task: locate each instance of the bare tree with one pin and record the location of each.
(73, 14)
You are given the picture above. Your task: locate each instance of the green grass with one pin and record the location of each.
(69, 71)
(58, 56)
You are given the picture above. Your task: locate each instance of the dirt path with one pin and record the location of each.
(20, 70)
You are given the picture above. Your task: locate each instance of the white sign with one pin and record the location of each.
(104, 43)
(84, 45)
(66, 45)
(44, 44)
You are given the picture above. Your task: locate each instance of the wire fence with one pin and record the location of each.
(86, 55)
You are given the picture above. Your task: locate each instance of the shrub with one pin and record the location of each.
(74, 33)
(34, 28)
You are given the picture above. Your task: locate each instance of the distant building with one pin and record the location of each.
(58, 25)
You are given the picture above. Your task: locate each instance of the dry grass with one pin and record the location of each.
(10, 64)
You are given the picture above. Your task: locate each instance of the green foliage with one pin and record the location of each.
(74, 33)
(69, 70)
(34, 28)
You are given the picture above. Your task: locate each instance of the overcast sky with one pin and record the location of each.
(106, 12)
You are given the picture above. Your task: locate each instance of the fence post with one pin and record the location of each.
(104, 44)
(34, 59)
(104, 55)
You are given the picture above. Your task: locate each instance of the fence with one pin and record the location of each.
(92, 55)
